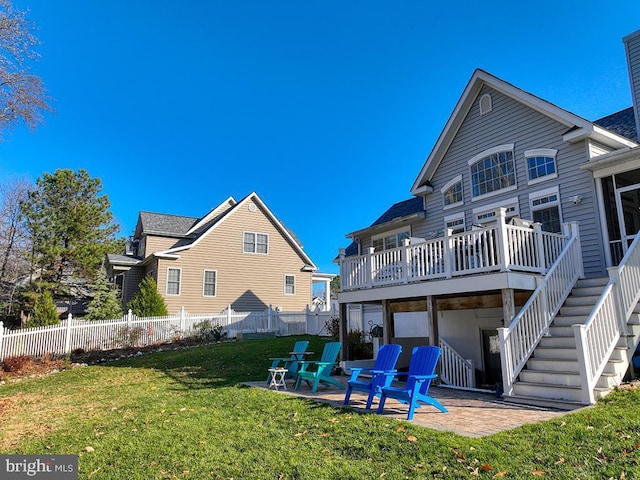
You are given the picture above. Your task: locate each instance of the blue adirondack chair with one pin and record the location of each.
(421, 372)
(316, 372)
(385, 364)
(291, 362)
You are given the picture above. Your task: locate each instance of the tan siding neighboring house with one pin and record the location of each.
(215, 244)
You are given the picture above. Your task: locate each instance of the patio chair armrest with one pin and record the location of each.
(282, 359)
(424, 378)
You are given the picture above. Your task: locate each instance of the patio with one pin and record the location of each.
(471, 413)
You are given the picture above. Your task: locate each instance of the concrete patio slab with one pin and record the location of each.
(471, 413)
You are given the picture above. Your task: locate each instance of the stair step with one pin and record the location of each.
(550, 377)
(556, 353)
(581, 300)
(553, 364)
(564, 331)
(592, 282)
(576, 310)
(550, 392)
(558, 341)
(595, 290)
(568, 320)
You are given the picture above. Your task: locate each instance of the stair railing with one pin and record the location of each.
(455, 369)
(598, 337)
(519, 339)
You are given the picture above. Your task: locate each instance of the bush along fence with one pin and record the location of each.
(131, 331)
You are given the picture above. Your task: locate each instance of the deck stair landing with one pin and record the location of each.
(551, 376)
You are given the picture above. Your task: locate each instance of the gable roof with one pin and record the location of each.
(205, 226)
(578, 128)
(622, 122)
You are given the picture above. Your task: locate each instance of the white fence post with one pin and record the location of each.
(129, 319)
(182, 322)
(1, 338)
(228, 315)
(67, 341)
(269, 319)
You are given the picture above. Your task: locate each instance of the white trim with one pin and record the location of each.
(545, 193)
(166, 286)
(450, 184)
(490, 151)
(541, 152)
(215, 283)
(507, 203)
(285, 284)
(255, 252)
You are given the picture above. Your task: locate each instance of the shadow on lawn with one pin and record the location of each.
(219, 364)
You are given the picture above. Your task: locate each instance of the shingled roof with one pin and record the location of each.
(400, 209)
(622, 122)
(163, 224)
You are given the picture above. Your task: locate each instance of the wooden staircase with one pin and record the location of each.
(551, 376)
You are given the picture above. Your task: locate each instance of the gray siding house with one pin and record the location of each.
(517, 252)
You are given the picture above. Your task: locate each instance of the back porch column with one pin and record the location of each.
(387, 322)
(343, 330)
(432, 308)
(508, 306)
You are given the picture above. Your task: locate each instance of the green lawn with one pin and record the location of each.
(182, 415)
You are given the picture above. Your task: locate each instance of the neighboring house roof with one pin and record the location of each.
(163, 224)
(622, 122)
(577, 127)
(205, 226)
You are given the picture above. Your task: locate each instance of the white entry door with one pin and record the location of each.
(628, 203)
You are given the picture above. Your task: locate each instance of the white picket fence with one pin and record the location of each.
(131, 331)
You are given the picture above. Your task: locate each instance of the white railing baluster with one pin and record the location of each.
(455, 370)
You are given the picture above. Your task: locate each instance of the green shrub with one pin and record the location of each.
(44, 312)
(148, 302)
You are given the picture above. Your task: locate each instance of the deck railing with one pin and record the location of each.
(455, 369)
(520, 338)
(500, 247)
(598, 337)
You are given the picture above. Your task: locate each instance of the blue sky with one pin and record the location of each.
(327, 110)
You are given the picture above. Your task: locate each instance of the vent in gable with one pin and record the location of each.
(485, 104)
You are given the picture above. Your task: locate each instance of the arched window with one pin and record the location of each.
(493, 170)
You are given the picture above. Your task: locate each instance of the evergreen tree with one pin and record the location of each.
(148, 302)
(70, 225)
(105, 304)
(44, 312)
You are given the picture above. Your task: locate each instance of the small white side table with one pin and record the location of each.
(276, 378)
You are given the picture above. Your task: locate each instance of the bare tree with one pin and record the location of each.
(14, 239)
(22, 94)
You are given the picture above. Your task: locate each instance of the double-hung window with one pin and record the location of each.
(209, 283)
(173, 281)
(289, 284)
(492, 171)
(545, 209)
(255, 243)
(541, 164)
